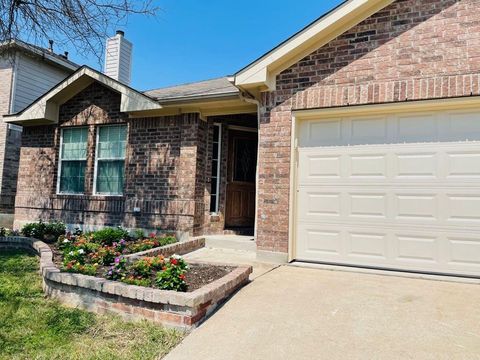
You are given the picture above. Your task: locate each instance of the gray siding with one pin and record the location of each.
(34, 78)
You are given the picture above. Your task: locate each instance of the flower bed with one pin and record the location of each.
(103, 254)
(89, 253)
(171, 308)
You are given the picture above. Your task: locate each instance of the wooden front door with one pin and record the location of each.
(242, 169)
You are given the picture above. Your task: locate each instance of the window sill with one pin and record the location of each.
(90, 197)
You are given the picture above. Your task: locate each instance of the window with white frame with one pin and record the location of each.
(216, 161)
(73, 161)
(110, 160)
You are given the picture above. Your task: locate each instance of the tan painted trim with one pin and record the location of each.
(262, 73)
(206, 109)
(397, 107)
(45, 110)
(292, 208)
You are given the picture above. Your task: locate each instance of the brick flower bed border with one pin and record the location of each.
(169, 308)
(179, 248)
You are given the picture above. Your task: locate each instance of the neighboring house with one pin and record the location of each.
(26, 72)
(368, 133)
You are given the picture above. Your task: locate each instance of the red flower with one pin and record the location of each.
(173, 261)
(182, 277)
(152, 235)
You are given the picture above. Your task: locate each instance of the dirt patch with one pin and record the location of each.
(199, 275)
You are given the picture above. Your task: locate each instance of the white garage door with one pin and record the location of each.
(396, 191)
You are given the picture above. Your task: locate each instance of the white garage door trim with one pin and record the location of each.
(460, 104)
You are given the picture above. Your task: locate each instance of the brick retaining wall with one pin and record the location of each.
(169, 308)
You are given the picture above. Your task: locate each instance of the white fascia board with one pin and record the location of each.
(264, 70)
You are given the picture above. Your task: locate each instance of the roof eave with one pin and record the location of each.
(66, 64)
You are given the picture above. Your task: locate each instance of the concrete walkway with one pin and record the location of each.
(231, 256)
(300, 313)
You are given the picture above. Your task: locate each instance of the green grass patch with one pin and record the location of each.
(35, 327)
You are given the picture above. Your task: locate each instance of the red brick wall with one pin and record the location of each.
(410, 50)
(163, 163)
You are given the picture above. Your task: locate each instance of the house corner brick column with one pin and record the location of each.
(9, 143)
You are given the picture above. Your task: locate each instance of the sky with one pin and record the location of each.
(192, 40)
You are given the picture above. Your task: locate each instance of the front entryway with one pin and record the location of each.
(398, 191)
(241, 176)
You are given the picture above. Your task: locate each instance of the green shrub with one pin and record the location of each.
(151, 243)
(48, 232)
(137, 234)
(34, 230)
(108, 236)
(172, 277)
(54, 230)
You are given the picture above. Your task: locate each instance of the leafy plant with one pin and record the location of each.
(48, 232)
(118, 270)
(76, 255)
(76, 267)
(137, 234)
(145, 267)
(34, 230)
(108, 236)
(151, 243)
(54, 230)
(172, 277)
(131, 280)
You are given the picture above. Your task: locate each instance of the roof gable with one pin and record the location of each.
(261, 74)
(45, 110)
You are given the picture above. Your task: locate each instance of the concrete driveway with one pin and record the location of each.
(302, 313)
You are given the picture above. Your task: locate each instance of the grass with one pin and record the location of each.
(34, 327)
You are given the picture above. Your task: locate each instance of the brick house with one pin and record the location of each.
(354, 142)
(26, 72)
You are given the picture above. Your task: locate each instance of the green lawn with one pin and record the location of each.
(34, 327)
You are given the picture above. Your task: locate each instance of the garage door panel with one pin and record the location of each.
(463, 165)
(323, 167)
(368, 205)
(318, 241)
(464, 252)
(416, 165)
(417, 248)
(398, 192)
(367, 245)
(321, 204)
(368, 166)
(416, 128)
(462, 207)
(416, 206)
(436, 252)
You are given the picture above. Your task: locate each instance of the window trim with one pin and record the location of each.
(60, 160)
(219, 161)
(95, 167)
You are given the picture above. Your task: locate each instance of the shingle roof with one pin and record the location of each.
(40, 51)
(209, 88)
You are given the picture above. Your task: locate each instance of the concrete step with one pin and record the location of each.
(235, 242)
